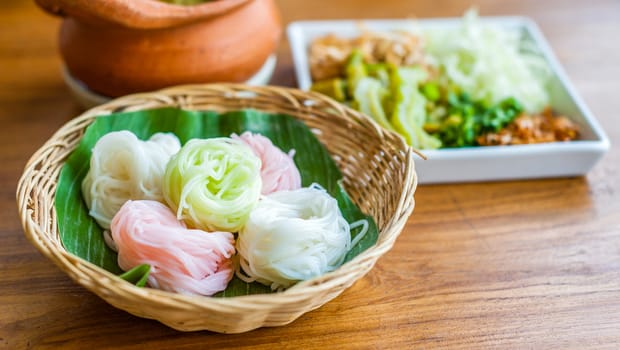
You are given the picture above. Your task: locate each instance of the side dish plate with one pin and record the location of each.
(489, 163)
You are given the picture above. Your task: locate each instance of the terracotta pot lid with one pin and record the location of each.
(139, 14)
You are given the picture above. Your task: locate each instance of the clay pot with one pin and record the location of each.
(117, 47)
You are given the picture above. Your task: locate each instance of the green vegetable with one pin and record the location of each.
(379, 71)
(428, 114)
(431, 91)
(468, 119)
(368, 93)
(81, 235)
(409, 107)
(334, 88)
(138, 275)
(388, 94)
(369, 96)
(497, 117)
(355, 70)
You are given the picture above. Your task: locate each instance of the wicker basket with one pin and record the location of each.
(365, 153)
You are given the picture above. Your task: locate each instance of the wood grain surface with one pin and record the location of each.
(522, 264)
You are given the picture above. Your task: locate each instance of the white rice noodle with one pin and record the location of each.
(122, 167)
(293, 236)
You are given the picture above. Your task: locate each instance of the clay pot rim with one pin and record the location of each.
(138, 14)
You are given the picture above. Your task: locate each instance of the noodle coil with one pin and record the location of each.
(278, 171)
(292, 236)
(213, 184)
(122, 167)
(182, 260)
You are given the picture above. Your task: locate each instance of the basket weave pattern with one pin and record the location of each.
(378, 171)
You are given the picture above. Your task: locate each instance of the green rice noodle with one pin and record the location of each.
(213, 184)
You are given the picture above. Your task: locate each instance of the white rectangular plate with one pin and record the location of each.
(487, 163)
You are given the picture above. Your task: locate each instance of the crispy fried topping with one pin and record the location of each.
(545, 127)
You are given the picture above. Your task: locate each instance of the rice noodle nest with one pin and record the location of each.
(213, 184)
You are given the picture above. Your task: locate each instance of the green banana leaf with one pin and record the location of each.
(82, 236)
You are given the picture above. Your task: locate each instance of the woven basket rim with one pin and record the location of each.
(68, 261)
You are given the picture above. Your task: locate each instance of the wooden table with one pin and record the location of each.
(523, 264)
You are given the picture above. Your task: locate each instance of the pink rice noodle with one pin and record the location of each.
(278, 171)
(182, 260)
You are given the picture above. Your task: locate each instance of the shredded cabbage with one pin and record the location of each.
(490, 63)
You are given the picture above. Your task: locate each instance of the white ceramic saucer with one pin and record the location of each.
(88, 99)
